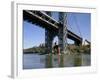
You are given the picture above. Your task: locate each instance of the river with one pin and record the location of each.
(36, 61)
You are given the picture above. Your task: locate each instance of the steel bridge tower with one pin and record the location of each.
(62, 34)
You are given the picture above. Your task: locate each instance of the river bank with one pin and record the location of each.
(71, 49)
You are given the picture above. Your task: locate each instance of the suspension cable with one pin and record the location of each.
(77, 25)
(68, 24)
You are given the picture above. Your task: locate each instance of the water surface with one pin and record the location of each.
(36, 61)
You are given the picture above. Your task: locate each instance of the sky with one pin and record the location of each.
(79, 23)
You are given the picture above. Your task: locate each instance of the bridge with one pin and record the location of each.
(52, 28)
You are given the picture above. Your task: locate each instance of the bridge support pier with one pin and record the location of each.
(78, 43)
(48, 40)
(62, 39)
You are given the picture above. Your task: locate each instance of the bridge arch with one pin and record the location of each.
(55, 39)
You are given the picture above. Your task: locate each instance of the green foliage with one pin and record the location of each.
(79, 49)
(71, 48)
(40, 49)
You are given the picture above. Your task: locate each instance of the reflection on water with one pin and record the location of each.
(48, 61)
(35, 61)
(77, 61)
